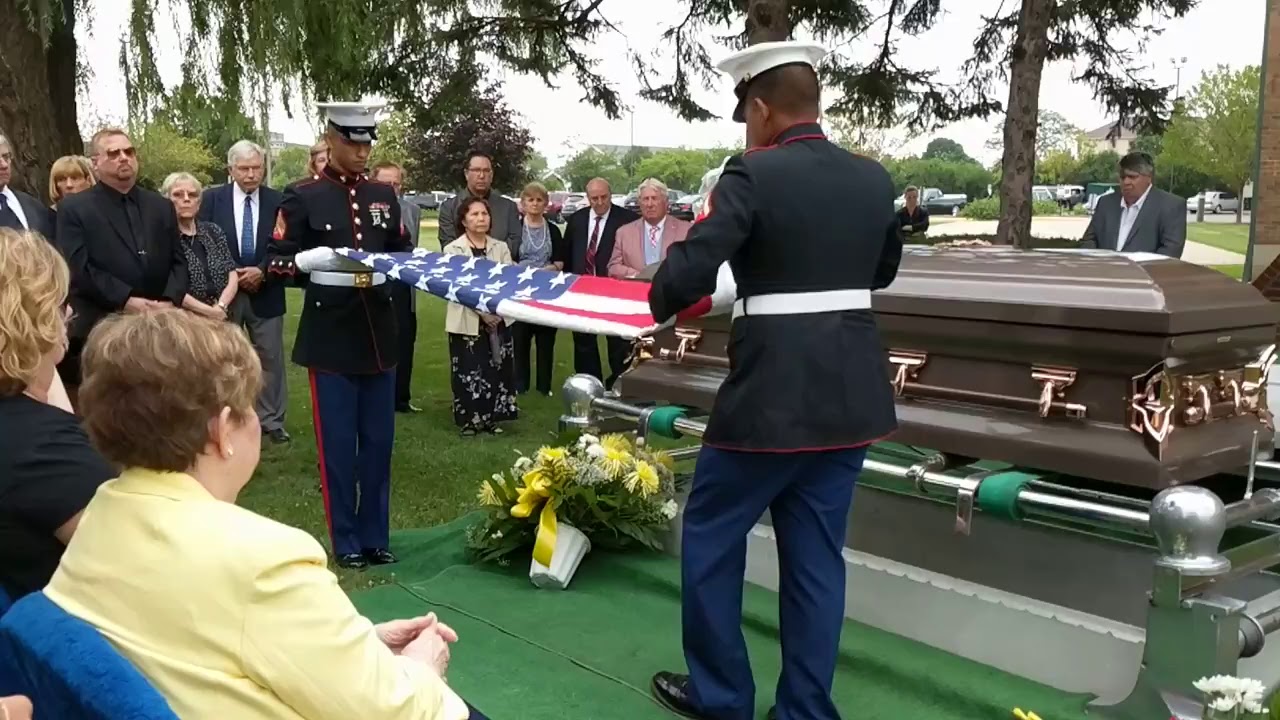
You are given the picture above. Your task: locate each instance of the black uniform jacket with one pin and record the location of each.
(345, 330)
(799, 215)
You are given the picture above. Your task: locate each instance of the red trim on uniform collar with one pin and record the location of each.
(778, 139)
(345, 181)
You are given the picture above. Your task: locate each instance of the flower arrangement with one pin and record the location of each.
(1232, 698)
(616, 492)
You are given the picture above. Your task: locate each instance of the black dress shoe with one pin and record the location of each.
(379, 556)
(672, 691)
(408, 408)
(278, 436)
(352, 561)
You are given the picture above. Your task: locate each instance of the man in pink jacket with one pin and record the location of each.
(645, 241)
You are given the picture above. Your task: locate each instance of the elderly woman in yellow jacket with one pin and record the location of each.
(481, 352)
(227, 613)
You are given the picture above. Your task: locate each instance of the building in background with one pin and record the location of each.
(1109, 137)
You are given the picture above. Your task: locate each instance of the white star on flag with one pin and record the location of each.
(452, 294)
(420, 252)
(483, 302)
(470, 264)
(395, 272)
(443, 260)
(494, 287)
(523, 293)
(559, 279)
(496, 270)
(466, 279)
(527, 275)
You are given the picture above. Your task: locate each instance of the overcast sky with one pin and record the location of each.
(1229, 33)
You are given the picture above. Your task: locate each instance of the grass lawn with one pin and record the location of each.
(1227, 236)
(1235, 271)
(435, 472)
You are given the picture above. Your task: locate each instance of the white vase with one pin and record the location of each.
(571, 546)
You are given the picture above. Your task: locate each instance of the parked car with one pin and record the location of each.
(1069, 196)
(1214, 202)
(632, 201)
(686, 206)
(937, 202)
(430, 200)
(555, 206)
(572, 204)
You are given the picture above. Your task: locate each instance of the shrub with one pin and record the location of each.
(982, 209)
(1045, 207)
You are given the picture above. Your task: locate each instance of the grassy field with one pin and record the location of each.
(1227, 236)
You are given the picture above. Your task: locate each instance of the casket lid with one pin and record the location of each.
(1097, 289)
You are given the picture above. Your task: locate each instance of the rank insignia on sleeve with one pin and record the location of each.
(278, 232)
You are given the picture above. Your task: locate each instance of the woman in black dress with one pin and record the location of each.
(481, 353)
(213, 283)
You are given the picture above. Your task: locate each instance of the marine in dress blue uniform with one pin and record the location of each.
(809, 231)
(347, 336)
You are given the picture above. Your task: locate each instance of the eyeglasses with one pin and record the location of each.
(480, 171)
(128, 152)
(184, 194)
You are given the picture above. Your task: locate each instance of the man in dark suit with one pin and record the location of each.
(121, 244)
(589, 235)
(18, 210)
(246, 211)
(404, 297)
(1140, 218)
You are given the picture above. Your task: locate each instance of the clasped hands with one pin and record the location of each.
(424, 639)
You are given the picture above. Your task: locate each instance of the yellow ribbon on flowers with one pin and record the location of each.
(535, 490)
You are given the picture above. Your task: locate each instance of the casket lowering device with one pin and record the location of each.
(1081, 491)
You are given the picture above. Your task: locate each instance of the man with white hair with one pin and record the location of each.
(18, 210)
(644, 242)
(246, 209)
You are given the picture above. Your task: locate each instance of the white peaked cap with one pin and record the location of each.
(357, 121)
(746, 65)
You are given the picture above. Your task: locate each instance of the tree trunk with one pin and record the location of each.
(1240, 205)
(1017, 168)
(38, 94)
(768, 21)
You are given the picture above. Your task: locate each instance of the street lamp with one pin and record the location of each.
(1178, 64)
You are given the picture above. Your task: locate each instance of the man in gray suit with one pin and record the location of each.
(504, 216)
(1139, 218)
(403, 296)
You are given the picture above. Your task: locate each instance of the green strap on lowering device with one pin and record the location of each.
(662, 421)
(998, 494)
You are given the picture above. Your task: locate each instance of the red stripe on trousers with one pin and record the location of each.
(324, 476)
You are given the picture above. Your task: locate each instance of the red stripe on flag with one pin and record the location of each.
(637, 321)
(612, 287)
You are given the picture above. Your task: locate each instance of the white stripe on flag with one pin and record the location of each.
(598, 303)
(519, 312)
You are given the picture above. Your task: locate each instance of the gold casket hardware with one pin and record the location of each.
(641, 350)
(909, 364)
(363, 280)
(1219, 395)
(1054, 381)
(684, 352)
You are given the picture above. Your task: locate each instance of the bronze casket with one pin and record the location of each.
(1130, 369)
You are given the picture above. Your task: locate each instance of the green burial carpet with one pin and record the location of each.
(589, 651)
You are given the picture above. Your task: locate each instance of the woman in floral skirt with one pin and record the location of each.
(481, 353)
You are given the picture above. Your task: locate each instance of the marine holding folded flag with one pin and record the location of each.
(808, 387)
(347, 336)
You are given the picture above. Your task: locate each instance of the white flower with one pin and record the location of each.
(1223, 704)
(588, 439)
(669, 509)
(1253, 706)
(595, 451)
(1251, 689)
(497, 535)
(522, 463)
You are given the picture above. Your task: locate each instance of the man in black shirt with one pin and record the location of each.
(121, 243)
(912, 218)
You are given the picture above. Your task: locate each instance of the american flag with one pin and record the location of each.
(582, 303)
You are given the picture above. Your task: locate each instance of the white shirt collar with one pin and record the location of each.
(240, 194)
(603, 218)
(9, 194)
(660, 225)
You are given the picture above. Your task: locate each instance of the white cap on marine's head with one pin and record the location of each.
(747, 65)
(357, 122)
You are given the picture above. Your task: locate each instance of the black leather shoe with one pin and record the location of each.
(408, 408)
(278, 436)
(352, 561)
(672, 691)
(379, 556)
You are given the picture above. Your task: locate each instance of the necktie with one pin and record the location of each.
(9, 218)
(653, 237)
(591, 247)
(246, 230)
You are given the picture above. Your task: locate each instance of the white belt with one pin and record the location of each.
(802, 303)
(346, 279)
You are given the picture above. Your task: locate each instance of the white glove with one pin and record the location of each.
(726, 291)
(324, 258)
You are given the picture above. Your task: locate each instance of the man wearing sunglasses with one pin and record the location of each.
(121, 243)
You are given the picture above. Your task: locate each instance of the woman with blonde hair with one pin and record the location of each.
(69, 175)
(319, 158)
(227, 613)
(48, 469)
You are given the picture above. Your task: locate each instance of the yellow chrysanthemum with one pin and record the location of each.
(487, 496)
(643, 478)
(552, 456)
(615, 462)
(663, 458)
(615, 441)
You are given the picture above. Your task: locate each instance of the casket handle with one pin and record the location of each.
(1054, 382)
(909, 364)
